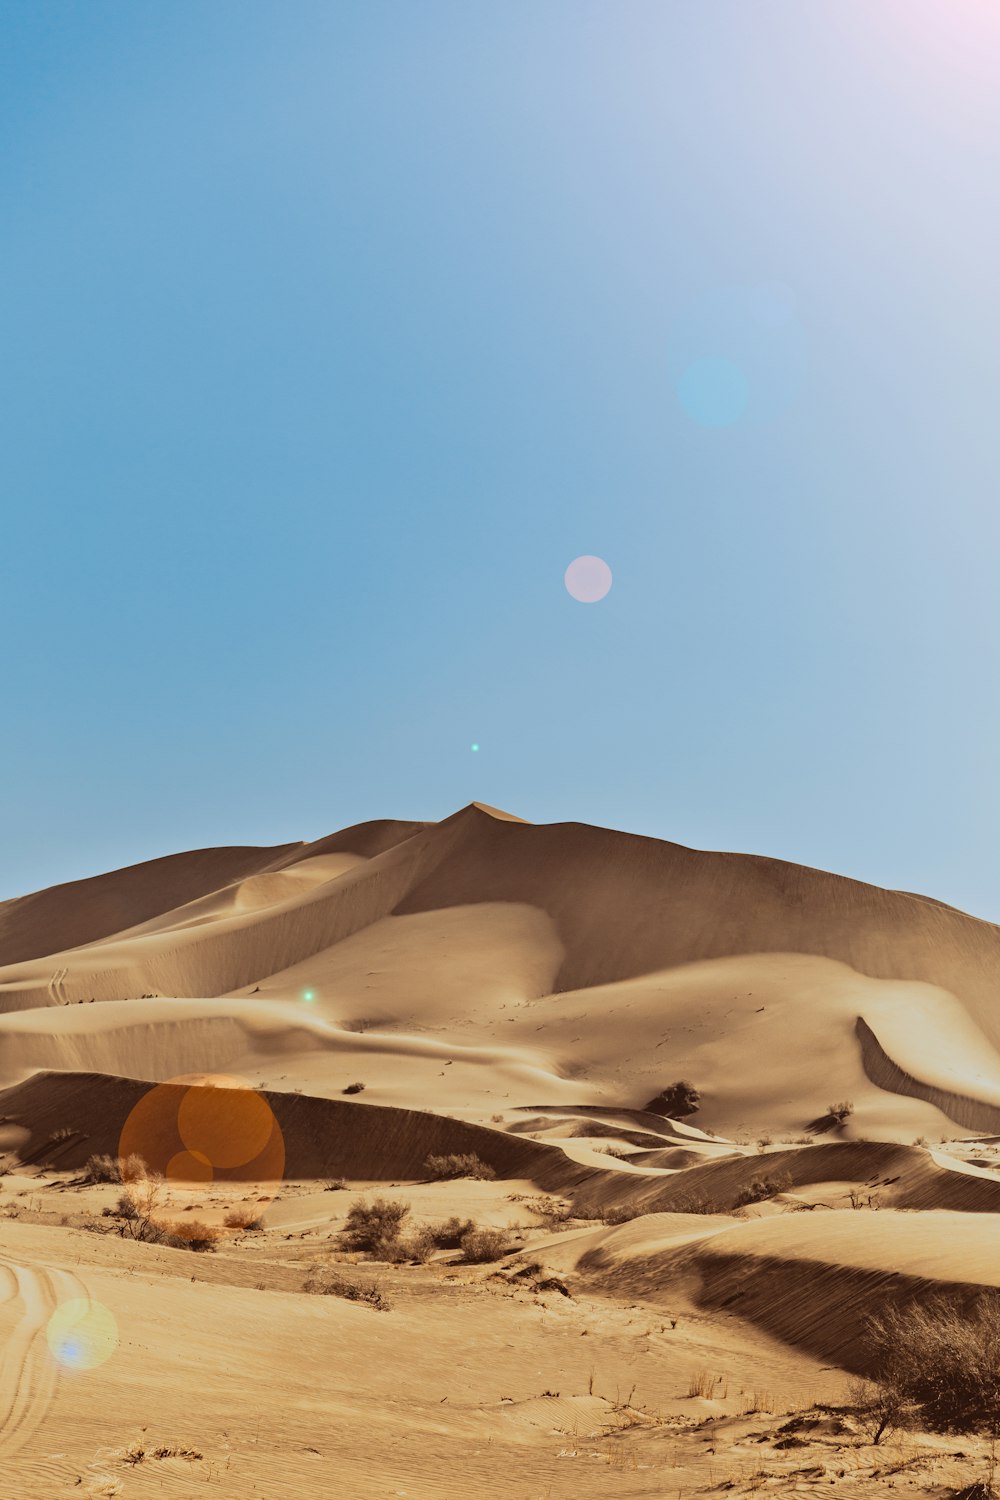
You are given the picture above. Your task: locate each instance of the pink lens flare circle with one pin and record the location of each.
(588, 579)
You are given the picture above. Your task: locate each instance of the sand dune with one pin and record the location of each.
(810, 1279)
(500, 933)
(518, 993)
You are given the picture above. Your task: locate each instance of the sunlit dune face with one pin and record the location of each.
(205, 1139)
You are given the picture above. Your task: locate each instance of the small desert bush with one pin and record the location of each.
(375, 1225)
(354, 1088)
(458, 1164)
(840, 1112)
(334, 1185)
(480, 1245)
(879, 1409)
(419, 1245)
(556, 1210)
(674, 1102)
(243, 1218)
(449, 1233)
(763, 1187)
(327, 1283)
(690, 1203)
(101, 1169)
(194, 1234)
(942, 1360)
(620, 1213)
(115, 1169)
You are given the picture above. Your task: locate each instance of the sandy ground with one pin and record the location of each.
(519, 992)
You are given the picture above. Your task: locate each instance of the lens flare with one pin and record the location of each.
(82, 1334)
(201, 1139)
(588, 579)
(713, 392)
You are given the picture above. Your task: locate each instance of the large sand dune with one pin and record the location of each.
(610, 962)
(520, 993)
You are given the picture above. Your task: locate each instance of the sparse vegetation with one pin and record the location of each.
(762, 1188)
(448, 1234)
(195, 1235)
(327, 1283)
(140, 1216)
(244, 1218)
(616, 1213)
(840, 1112)
(458, 1164)
(115, 1169)
(688, 1203)
(880, 1408)
(335, 1185)
(479, 1245)
(676, 1101)
(703, 1383)
(354, 1088)
(556, 1210)
(941, 1360)
(374, 1226)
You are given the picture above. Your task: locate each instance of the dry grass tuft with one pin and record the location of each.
(327, 1283)
(458, 1164)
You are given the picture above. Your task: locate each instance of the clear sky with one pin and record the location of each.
(331, 333)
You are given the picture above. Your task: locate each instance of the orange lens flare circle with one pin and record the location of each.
(202, 1138)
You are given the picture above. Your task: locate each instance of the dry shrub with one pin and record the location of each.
(448, 1235)
(676, 1101)
(327, 1283)
(480, 1245)
(194, 1234)
(690, 1203)
(115, 1169)
(418, 1246)
(458, 1164)
(942, 1360)
(354, 1088)
(374, 1226)
(556, 1210)
(879, 1409)
(244, 1218)
(763, 1187)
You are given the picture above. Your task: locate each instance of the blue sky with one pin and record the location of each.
(332, 333)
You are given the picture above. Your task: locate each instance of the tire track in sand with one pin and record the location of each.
(28, 1373)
